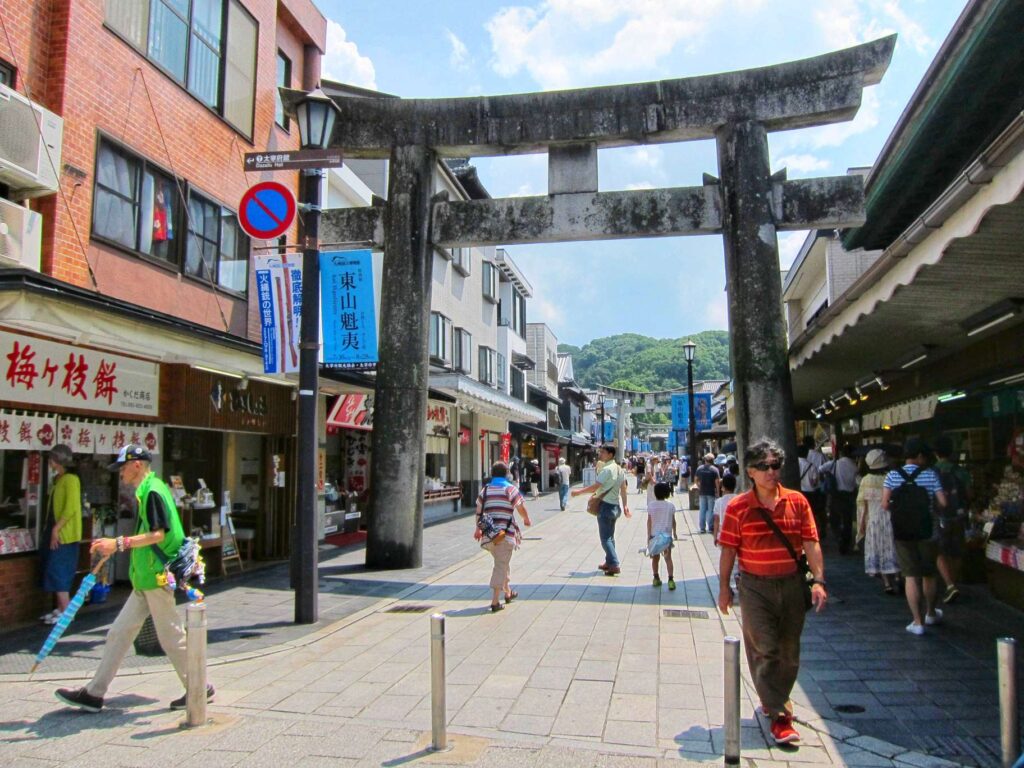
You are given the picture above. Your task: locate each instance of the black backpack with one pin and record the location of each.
(911, 508)
(956, 492)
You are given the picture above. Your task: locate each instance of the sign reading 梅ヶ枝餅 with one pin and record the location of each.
(349, 315)
(50, 374)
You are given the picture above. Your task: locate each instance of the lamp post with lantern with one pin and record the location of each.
(689, 349)
(316, 115)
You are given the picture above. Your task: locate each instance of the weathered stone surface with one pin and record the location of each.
(572, 168)
(582, 216)
(757, 330)
(815, 91)
(823, 203)
(351, 226)
(396, 474)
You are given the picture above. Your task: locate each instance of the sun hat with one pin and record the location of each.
(876, 459)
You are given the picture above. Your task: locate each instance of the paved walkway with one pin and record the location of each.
(582, 670)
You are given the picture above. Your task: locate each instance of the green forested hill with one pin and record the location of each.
(642, 364)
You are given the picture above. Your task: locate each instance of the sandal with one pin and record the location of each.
(495, 607)
(511, 596)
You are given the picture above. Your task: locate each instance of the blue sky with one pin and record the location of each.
(667, 287)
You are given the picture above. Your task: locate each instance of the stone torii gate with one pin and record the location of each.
(746, 204)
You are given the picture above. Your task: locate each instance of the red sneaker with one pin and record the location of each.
(783, 731)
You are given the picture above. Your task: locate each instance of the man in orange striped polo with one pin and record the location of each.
(771, 588)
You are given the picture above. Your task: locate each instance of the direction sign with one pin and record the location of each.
(293, 160)
(267, 210)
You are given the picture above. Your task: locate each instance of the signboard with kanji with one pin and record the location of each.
(50, 374)
(349, 316)
(293, 160)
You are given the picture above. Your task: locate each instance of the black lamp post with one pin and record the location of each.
(689, 349)
(316, 114)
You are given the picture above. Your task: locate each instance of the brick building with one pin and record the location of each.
(126, 288)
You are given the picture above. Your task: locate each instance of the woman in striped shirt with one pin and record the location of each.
(500, 499)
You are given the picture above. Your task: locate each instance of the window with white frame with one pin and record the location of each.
(440, 339)
(489, 274)
(488, 364)
(518, 313)
(209, 46)
(502, 368)
(463, 351)
(518, 383)
(461, 259)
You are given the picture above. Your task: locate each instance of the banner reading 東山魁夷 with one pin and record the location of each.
(349, 316)
(279, 292)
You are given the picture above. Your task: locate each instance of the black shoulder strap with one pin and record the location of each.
(909, 477)
(778, 532)
(806, 470)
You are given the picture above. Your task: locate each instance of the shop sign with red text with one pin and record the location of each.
(51, 374)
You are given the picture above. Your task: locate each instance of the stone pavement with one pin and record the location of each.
(582, 670)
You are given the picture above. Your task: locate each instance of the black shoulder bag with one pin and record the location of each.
(802, 567)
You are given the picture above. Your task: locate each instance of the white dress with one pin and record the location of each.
(879, 545)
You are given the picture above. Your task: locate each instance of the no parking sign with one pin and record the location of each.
(267, 210)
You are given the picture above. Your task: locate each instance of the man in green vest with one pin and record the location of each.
(158, 528)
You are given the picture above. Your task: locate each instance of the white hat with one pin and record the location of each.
(876, 459)
(561, 460)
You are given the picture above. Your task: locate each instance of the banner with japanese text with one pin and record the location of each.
(349, 316)
(701, 411)
(51, 374)
(279, 293)
(90, 437)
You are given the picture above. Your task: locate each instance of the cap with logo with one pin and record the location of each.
(130, 453)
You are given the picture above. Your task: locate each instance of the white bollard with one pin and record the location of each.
(438, 707)
(195, 652)
(1009, 724)
(732, 701)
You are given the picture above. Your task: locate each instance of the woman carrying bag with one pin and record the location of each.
(497, 530)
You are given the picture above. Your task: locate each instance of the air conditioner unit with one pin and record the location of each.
(30, 146)
(21, 236)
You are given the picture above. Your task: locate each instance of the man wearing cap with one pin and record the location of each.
(158, 527)
(708, 482)
(917, 557)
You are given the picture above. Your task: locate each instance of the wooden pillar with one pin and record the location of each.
(757, 328)
(395, 537)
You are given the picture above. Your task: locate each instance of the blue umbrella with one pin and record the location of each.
(69, 613)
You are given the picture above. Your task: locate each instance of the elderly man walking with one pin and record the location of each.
(766, 528)
(157, 527)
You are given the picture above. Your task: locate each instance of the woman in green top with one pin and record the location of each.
(59, 547)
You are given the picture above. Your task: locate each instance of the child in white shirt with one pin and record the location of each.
(729, 488)
(660, 516)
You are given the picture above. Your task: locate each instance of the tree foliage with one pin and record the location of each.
(643, 364)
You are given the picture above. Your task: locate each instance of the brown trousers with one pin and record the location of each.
(773, 619)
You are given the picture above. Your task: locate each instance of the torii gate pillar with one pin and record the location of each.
(762, 388)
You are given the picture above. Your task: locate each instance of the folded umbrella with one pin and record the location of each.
(69, 613)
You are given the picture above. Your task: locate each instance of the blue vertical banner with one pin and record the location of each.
(609, 431)
(680, 412)
(279, 293)
(701, 411)
(349, 318)
(635, 442)
(671, 442)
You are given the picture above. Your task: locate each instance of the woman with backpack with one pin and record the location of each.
(497, 530)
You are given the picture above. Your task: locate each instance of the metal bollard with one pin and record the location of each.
(195, 652)
(732, 701)
(438, 708)
(1009, 724)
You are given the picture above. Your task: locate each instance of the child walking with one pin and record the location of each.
(660, 516)
(728, 494)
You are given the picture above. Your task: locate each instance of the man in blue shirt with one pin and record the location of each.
(917, 555)
(708, 482)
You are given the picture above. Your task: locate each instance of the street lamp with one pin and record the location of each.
(689, 349)
(316, 115)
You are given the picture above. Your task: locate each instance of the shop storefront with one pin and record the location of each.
(92, 401)
(230, 448)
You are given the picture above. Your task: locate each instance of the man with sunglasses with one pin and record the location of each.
(771, 588)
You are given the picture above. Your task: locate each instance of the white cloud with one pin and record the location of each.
(567, 43)
(459, 57)
(716, 313)
(801, 163)
(344, 63)
(639, 185)
(848, 22)
(648, 156)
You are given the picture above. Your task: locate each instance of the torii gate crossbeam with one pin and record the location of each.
(746, 204)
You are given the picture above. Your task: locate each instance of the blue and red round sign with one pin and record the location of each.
(267, 210)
